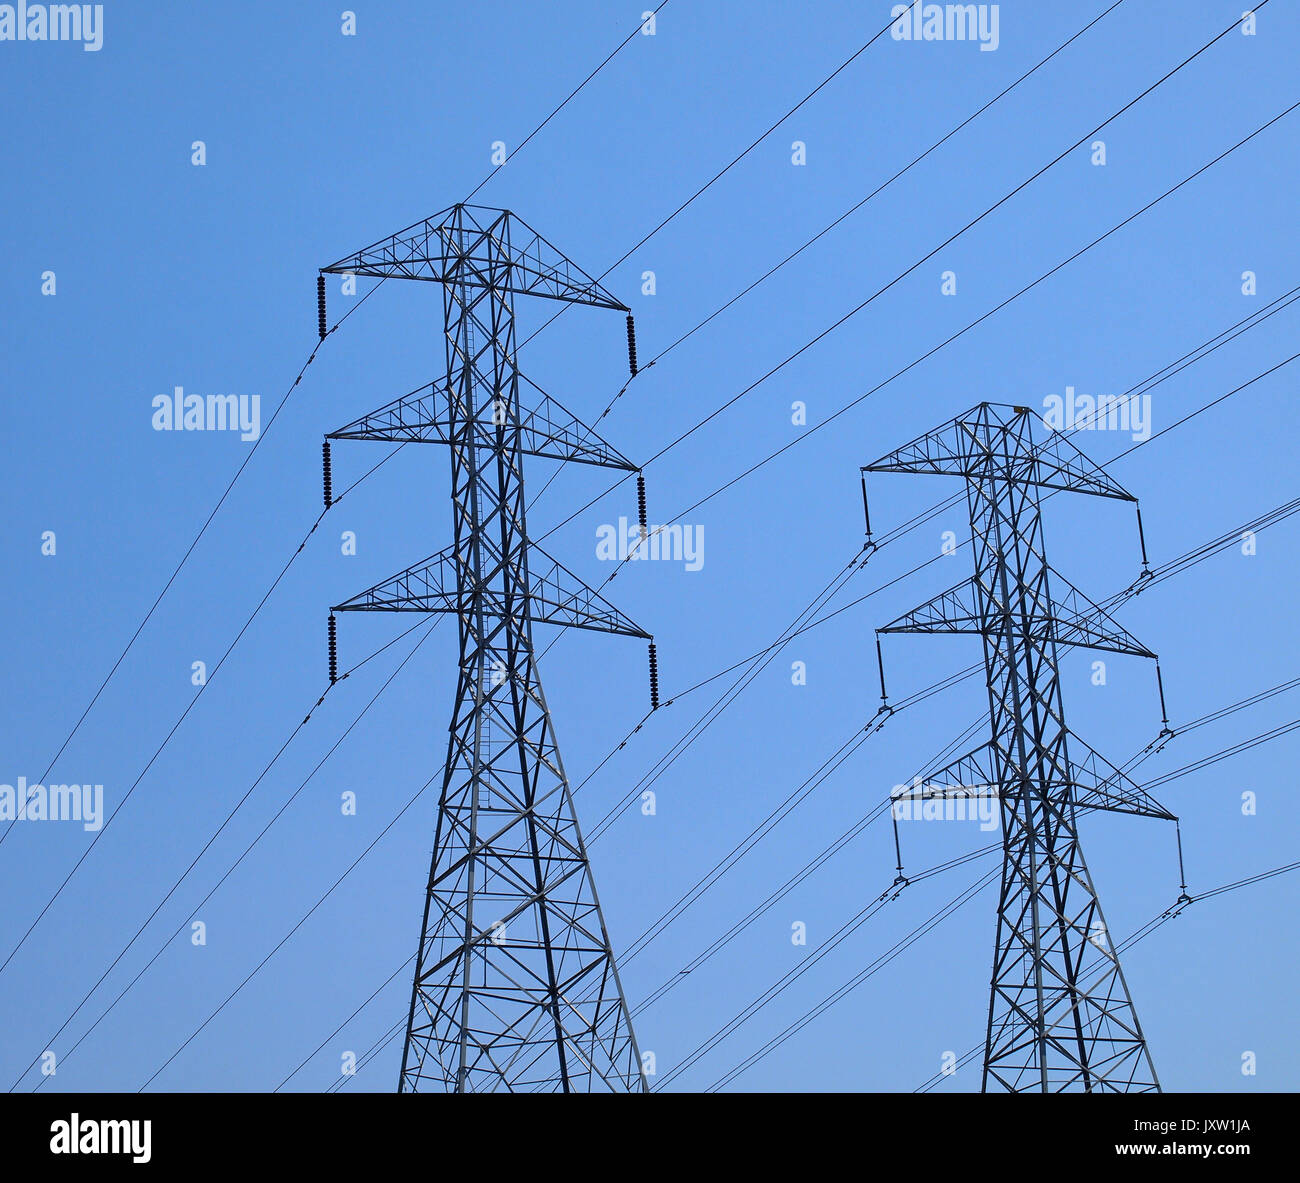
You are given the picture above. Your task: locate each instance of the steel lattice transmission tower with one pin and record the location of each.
(515, 982)
(1060, 1014)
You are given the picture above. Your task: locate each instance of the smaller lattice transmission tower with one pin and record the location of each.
(1060, 1014)
(515, 983)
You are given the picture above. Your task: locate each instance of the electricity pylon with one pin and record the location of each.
(1060, 1014)
(515, 982)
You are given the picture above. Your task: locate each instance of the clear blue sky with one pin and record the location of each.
(318, 143)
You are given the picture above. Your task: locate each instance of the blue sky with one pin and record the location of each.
(170, 274)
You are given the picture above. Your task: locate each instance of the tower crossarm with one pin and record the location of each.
(1095, 784)
(1002, 434)
(560, 597)
(1098, 784)
(1071, 619)
(476, 246)
(556, 596)
(546, 430)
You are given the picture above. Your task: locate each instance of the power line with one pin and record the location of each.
(961, 899)
(756, 835)
(569, 98)
(247, 850)
(320, 1046)
(367, 1056)
(811, 867)
(843, 840)
(735, 160)
(1170, 568)
(159, 750)
(681, 209)
(839, 844)
(1175, 565)
(711, 714)
(912, 365)
(1160, 376)
(1216, 161)
(306, 916)
(874, 193)
(774, 817)
(857, 980)
(920, 262)
(1158, 921)
(1159, 575)
(248, 458)
(171, 579)
(1224, 753)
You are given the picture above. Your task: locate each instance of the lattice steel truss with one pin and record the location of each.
(515, 983)
(1060, 1014)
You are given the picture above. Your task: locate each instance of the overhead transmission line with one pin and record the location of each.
(1182, 563)
(912, 365)
(805, 872)
(321, 1046)
(675, 442)
(1092, 133)
(854, 312)
(280, 406)
(863, 975)
(570, 97)
(820, 86)
(841, 578)
(815, 238)
(786, 807)
(1125, 223)
(735, 160)
(688, 202)
(428, 629)
(285, 939)
(171, 579)
(203, 529)
(843, 933)
(782, 811)
(817, 427)
(1179, 564)
(881, 961)
(853, 209)
(842, 841)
